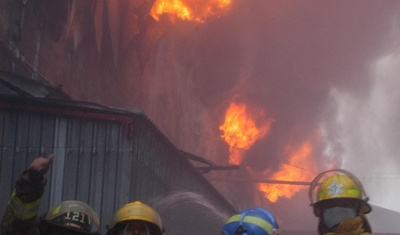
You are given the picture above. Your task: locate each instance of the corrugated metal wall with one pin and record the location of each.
(104, 161)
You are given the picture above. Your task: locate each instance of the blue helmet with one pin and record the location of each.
(252, 221)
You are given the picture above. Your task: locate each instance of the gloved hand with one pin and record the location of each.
(39, 167)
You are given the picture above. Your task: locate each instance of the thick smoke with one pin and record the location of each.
(325, 71)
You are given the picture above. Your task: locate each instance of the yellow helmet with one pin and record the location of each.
(340, 185)
(135, 211)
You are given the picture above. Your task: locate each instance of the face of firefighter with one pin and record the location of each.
(135, 228)
(336, 211)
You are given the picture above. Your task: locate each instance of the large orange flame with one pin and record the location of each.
(190, 10)
(300, 168)
(240, 131)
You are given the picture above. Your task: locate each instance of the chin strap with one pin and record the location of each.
(240, 230)
(355, 226)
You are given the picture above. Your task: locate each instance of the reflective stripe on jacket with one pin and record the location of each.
(22, 209)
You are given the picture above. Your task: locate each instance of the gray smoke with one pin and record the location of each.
(325, 71)
(315, 67)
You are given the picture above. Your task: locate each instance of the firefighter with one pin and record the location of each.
(135, 218)
(252, 221)
(21, 216)
(341, 203)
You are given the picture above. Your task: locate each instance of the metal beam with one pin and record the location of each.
(259, 181)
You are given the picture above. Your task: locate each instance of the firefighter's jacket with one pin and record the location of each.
(21, 216)
(355, 226)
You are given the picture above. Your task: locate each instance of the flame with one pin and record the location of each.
(240, 131)
(294, 171)
(190, 10)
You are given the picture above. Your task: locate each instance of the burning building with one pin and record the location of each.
(276, 69)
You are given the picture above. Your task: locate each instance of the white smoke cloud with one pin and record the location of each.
(371, 132)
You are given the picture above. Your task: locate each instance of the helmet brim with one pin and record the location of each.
(45, 226)
(364, 207)
(154, 229)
